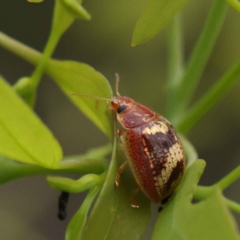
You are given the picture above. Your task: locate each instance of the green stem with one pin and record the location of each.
(217, 91)
(200, 55)
(229, 179)
(29, 54)
(233, 205)
(75, 186)
(201, 193)
(175, 63)
(47, 53)
(11, 170)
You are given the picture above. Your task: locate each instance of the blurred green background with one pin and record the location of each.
(28, 206)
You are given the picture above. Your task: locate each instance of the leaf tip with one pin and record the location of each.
(133, 44)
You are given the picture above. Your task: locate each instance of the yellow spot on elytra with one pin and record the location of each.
(147, 131)
(160, 127)
(163, 127)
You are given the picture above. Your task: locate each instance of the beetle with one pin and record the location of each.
(151, 145)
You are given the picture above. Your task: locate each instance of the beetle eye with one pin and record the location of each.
(121, 108)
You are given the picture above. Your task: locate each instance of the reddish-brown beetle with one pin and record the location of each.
(152, 148)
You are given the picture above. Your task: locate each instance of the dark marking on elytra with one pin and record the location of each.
(176, 172)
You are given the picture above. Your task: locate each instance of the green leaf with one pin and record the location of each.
(154, 17)
(23, 136)
(62, 20)
(112, 216)
(175, 63)
(75, 77)
(79, 219)
(75, 9)
(235, 4)
(182, 220)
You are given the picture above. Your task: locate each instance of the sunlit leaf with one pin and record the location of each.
(75, 77)
(23, 136)
(182, 220)
(155, 16)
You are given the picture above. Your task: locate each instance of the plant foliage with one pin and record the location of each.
(24, 137)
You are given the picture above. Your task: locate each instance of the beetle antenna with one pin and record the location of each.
(117, 83)
(88, 96)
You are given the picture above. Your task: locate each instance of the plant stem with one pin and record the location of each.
(11, 170)
(175, 63)
(29, 54)
(233, 205)
(201, 193)
(75, 186)
(47, 53)
(229, 179)
(218, 90)
(200, 56)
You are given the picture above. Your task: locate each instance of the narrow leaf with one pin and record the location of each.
(210, 98)
(154, 17)
(235, 4)
(79, 219)
(199, 58)
(23, 136)
(175, 63)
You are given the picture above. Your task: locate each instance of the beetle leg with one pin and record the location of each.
(119, 172)
(119, 132)
(134, 203)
